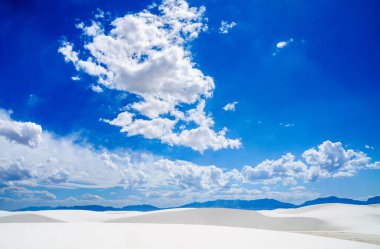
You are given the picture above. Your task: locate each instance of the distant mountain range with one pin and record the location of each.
(333, 199)
(141, 208)
(259, 204)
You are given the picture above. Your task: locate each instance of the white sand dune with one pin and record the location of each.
(194, 228)
(354, 222)
(5, 213)
(157, 236)
(62, 216)
(27, 218)
(349, 218)
(228, 217)
(85, 216)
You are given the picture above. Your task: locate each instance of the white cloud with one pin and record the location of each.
(124, 118)
(93, 30)
(375, 165)
(96, 88)
(286, 170)
(26, 133)
(63, 163)
(60, 162)
(147, 55)
(27, 194)
(225, 27)
(152, 6)
(328, 160)
(332, 160)
(199, 138)
(91, 197)
(283, 44)
(297, 188)
(287, 125)
(243, 193)
(230, 106)
(75, 78)
(13, 171)
(100, 14)
(162, 198)
(154, 128)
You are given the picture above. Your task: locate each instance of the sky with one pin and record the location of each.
(169, 102)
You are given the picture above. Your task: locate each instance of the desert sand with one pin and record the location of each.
(321, 226)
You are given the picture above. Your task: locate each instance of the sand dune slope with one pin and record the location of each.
(27, 218)
(354, 222)
(350, 218)
(158, 236)
(228, 217)
(62, 216)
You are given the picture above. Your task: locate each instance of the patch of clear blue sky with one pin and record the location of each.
(326, 82)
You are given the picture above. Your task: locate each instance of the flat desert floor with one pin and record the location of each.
(321, 226)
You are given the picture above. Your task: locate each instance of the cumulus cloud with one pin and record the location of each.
(26, 133)
(242, 193)
(375, 165)
(147, 54)
(328, 160)
(226, 26)
(13, 171)
(286, 170)
(60, 162)
(332, 160)
(190, 176)
(230, 106)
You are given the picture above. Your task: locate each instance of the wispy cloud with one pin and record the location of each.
(369, 147)
(91, 197)
(225, 27)
(287, 125)
(96, 88)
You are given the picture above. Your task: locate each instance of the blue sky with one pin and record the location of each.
(142, 121)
